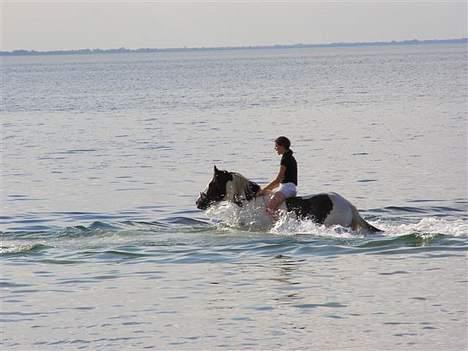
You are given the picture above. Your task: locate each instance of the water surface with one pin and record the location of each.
(103, 157)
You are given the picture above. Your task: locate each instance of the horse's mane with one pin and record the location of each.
(240, 188)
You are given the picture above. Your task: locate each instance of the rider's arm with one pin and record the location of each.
(275, 182)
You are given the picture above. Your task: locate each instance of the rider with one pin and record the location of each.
(286, 178)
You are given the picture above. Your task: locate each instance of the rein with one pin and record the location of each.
(264, 201)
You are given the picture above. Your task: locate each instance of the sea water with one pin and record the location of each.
(103, 156)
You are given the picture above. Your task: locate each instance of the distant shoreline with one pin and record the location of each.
(292, 46)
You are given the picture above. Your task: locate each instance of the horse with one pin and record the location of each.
(327, 209)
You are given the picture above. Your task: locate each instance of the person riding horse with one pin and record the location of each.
(328, 209)
(285, 183)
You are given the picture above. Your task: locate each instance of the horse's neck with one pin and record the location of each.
(237, 188)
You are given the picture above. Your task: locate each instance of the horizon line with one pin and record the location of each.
(21, 52)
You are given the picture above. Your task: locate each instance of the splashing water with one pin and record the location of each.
(252, 218)
(432, 225)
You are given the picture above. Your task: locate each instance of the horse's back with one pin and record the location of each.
(316, 207)
(324, 208)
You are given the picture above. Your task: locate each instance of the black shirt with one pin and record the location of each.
(290, 163)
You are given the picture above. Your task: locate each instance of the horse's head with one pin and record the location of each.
(216, 190)
(229, 186)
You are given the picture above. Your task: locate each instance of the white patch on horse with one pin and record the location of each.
(341, 212)
(236, 188)
(230, 193)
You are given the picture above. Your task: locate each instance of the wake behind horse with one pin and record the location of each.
(325, 208)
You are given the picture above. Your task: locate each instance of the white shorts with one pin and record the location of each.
(288, 189)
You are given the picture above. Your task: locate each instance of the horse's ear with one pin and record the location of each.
(215, 169)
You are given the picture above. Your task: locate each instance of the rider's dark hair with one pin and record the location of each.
(283, 141)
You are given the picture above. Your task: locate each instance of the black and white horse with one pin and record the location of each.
(326, 208)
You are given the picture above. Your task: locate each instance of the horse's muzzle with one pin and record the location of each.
(202, 202)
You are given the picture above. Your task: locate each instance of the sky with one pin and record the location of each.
(59, 25)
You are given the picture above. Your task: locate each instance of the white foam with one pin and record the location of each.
(431, 225)
(427, 226)
(254, 218)
(251, 218)
(288, 224)
(17, 248)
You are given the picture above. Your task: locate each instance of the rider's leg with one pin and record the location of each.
(275, 203)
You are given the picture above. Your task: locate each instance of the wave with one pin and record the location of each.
(456, 227)
(230, 216)
(228, 234)
(22, 249)
(102, 229)
(426, 226)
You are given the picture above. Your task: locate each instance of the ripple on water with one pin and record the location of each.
(184, 239)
